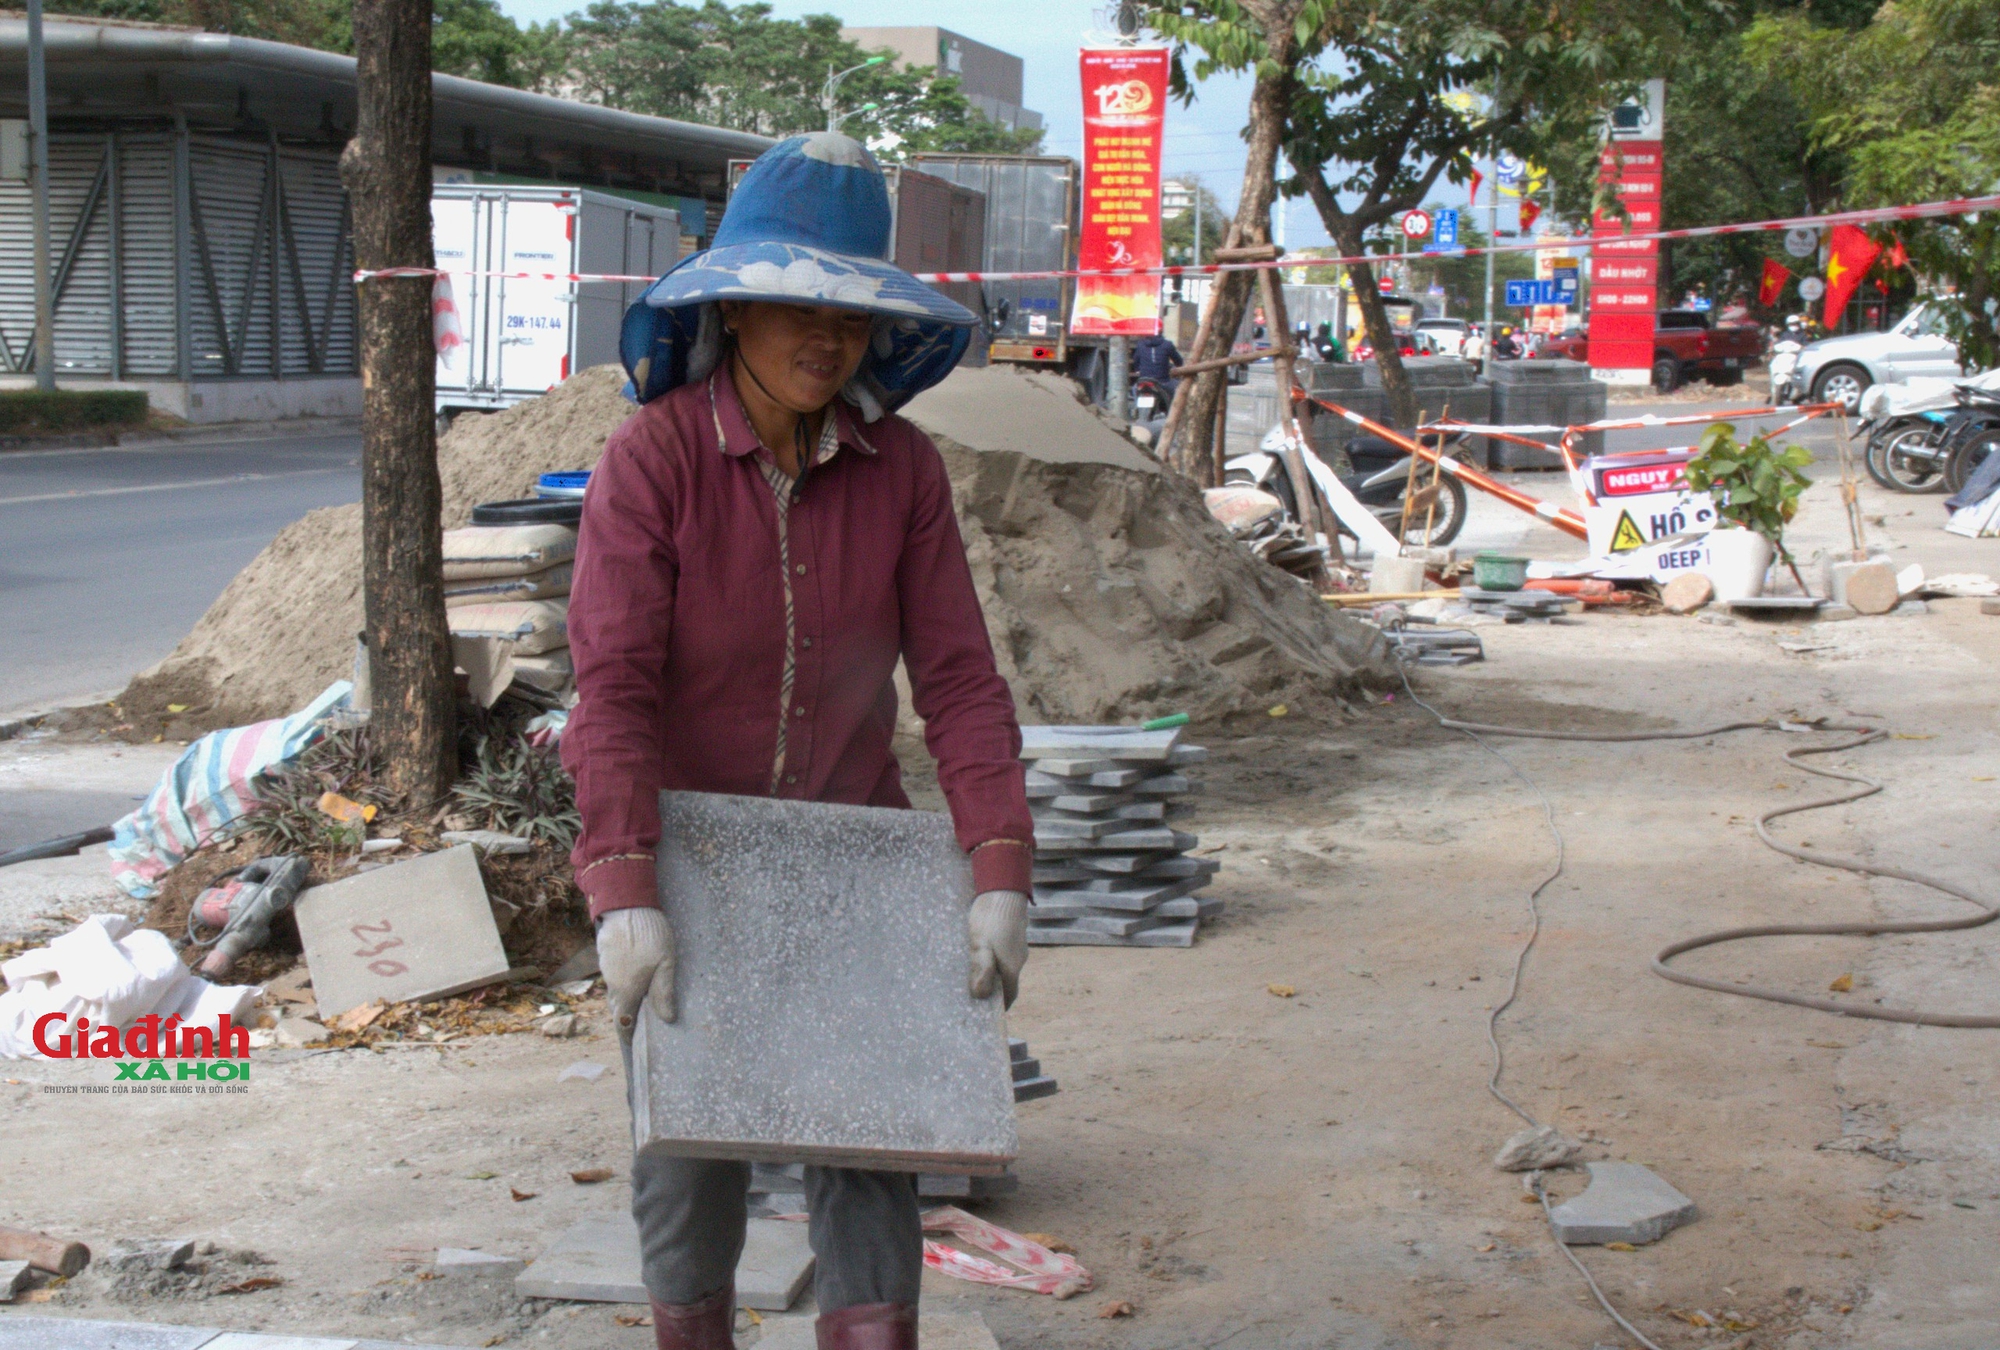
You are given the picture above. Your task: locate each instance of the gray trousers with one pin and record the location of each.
(866, 1231)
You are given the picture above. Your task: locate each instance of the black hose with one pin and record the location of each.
(56, 848)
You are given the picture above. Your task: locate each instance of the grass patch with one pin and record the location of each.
(30, 412)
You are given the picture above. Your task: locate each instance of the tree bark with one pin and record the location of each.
(1231, 295)
(386, 168)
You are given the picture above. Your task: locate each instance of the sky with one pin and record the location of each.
(1203, 139)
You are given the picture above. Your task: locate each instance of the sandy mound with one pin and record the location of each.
(1109, 591)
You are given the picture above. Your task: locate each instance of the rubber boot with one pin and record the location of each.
(868, 1326)
(707, 1325)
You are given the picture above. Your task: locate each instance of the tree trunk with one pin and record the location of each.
(1231, 295)
(1375, 321)
(386, 168)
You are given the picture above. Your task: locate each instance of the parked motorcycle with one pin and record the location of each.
(1902, 426)
(1971, 435)
(1380, 478)
(1787, 384)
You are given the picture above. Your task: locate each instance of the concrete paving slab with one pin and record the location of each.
(13, 1278)
(1045, 779)
(416, 929)
(1163, 838)
(471, 1261)
(1625, 1202)
(823, 1010)
(250, 1340)
(1128, 744)
(1168, 935)
(935, 1331)
(26, 1331)
(1058, 901)
(597, 1261)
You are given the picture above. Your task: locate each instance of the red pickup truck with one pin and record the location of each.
(1685, 347)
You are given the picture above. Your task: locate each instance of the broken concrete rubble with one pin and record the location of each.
(1625, 1202)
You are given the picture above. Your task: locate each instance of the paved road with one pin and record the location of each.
(108, 556)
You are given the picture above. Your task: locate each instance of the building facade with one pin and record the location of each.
(989, 77)
(201, 241)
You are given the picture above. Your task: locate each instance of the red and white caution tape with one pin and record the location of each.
(1048, 1272)
(1870, 216)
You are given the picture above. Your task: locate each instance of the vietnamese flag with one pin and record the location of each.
(1530, 213)
(1850, 254)
(1776, 274)
(1472, 194)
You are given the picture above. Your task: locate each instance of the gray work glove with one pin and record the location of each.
(996, 937)
(635, 952)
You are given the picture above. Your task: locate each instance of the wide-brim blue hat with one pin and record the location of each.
(809, 224)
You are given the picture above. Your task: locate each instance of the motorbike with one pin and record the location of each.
(1787, 384)
(1971, 435)
(1902, 426)
(1379, 479)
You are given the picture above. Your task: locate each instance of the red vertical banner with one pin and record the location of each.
(1124, 111)
(1624, 272)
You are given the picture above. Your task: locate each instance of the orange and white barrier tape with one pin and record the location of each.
(1564, 519)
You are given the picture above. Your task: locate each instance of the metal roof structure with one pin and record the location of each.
(103, 74)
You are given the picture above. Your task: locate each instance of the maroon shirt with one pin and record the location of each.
(718, 652)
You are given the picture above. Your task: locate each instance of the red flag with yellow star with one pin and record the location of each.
(1850, 253)
(1776, 274)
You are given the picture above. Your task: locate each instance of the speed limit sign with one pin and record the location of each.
(1417, 224)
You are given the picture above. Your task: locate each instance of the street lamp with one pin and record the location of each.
(832, 88)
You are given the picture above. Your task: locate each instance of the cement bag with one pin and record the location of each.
(108, 971)
(546, 584)
(505, 550)
(211, 784)
(532, 626)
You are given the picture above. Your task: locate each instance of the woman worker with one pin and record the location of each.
(760, 543)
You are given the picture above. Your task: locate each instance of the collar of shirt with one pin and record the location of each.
(735, 435)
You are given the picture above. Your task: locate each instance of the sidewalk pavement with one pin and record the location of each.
(27, 1331)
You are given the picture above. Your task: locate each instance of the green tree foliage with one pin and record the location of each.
(472, 38)
(1911, 103)
(1387, 99)
(737, 67)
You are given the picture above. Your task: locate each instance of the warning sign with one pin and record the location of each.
(1626, 536)
(1623, 524)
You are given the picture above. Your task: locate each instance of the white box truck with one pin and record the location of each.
(524, 337)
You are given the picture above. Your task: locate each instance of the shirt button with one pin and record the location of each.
(800, 569)
(799, 711)
(805, 642)
(792, 778)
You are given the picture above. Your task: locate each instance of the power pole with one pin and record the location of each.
(386, 168)
(1492, 238)
(38, 170)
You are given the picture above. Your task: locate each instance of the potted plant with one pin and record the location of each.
(1755, 486)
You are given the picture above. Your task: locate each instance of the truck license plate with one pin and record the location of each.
(1731, 362)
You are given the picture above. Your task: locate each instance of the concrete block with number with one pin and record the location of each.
(821, 979)
(597, 1261)
(418, 929)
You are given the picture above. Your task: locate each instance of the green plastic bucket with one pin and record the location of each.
(1498, 572)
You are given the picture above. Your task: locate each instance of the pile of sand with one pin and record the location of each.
(1110, 593)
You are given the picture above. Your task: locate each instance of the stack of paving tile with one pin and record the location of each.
(779, 1188)
(1110, 868)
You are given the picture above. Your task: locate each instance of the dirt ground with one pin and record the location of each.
(1247, 1169)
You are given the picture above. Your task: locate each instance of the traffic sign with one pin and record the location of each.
(1417, 224)
(1557, 291)
(1445, 232)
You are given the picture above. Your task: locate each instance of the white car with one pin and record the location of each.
(1447, 334)
(1840, 369)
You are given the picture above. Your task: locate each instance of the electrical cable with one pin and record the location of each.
(1866, 787)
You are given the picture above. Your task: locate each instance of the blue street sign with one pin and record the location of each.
(1561, 291)
(1444, 231)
